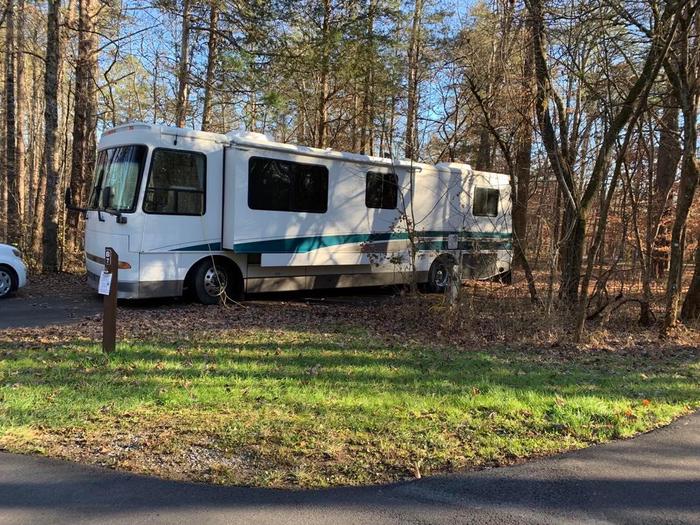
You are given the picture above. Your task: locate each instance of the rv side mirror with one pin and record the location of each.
(68, 199)
(106, 197)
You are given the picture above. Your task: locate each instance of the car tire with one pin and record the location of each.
(440, 274)
(8, 281)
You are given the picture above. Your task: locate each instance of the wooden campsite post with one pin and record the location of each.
(109, 315)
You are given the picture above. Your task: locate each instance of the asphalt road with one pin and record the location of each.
(35, 309)
(21, 311)
(654, 478)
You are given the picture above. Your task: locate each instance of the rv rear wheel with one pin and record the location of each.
(440, 274)
(506, 277)
(211, 282)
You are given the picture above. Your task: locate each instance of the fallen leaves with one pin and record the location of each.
(489, 315)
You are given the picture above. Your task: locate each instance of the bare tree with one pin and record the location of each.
(13, 196)
(414, 50)
(515, 142)
(83, 109)
(212, 58)
(578, 199)
(20, 153)
(51, 152)
(322, 118)
(666, 167)
(683, 69)
(184, 68)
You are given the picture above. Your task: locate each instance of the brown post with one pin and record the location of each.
(109, 316)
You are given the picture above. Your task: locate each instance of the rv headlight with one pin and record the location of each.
(16, 253)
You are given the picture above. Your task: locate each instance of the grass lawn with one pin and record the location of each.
(310, 409)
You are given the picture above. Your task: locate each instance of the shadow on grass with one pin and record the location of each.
(298, 372)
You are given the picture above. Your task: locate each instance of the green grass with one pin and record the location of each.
(309, 409)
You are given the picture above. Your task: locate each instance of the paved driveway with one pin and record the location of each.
(48, 300)
(654, 478)
(65, 299)
(22, 311)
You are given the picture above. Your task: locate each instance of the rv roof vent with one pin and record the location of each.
(130, 126)
(249, 135)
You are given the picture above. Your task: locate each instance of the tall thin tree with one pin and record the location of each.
(50, 157)
(414, 51)
(13, 198)
(184, 68)
(212, 58)
(82, 118)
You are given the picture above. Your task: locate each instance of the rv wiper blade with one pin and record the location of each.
(120, 218)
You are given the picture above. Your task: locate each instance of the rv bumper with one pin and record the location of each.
(141, 290)
(125, 289)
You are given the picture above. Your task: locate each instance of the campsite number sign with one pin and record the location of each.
(108, 288)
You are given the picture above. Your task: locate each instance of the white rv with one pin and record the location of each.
(206, 213)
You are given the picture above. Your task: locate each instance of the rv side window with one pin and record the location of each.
(381, 190)
(280, 185)
(176, 183)
(486, 202)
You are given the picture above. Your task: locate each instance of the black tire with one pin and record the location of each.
(8, 281)
(506, 277)
(440, 274)
(211, 279)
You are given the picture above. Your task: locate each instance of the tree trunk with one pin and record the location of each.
(667, 164)
(184, 68)
(353, 120)
(50, 157)
(367, 120)
(483, 156)
(3, 173)
(37, 184)
(573, 224)
(572, 240)
(523, 160)
(691, 305)
(91, 108)
(412, 95)
(20, 154)
(13, 198)
(522, 168)
(683, 70)
(689, 181)
(212, 58)
(82, 118)
(322, 121)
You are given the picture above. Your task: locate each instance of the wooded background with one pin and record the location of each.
(590, 105)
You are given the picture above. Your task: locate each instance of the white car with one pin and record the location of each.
(13, 271)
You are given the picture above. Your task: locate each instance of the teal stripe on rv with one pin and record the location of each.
(214, 246)
(307, 244)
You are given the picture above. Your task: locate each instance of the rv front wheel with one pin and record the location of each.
(211, 282)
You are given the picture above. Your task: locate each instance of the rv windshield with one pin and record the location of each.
(120, 170)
